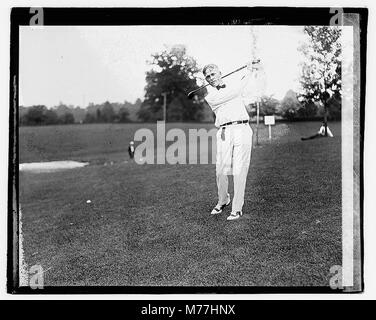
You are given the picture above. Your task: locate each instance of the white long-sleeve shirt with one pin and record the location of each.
(227, 103)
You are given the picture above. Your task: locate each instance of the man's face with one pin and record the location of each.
(213, 76)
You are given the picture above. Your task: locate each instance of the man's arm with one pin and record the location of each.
(222, 96)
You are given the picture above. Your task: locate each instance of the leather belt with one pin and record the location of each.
(234, 122)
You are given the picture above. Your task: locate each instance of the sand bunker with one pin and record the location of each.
(51, 166)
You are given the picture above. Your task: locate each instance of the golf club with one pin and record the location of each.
(191, 93)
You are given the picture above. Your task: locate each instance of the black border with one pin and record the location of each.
(161, 16)
(363, 23)
(242, 309)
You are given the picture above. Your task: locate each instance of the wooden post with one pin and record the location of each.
(164, 94)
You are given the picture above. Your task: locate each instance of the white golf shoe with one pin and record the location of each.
(219, 207)
(234, 215)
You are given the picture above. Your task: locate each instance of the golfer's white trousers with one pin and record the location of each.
(234, 146)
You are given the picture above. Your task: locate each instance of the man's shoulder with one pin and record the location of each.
(210, 92)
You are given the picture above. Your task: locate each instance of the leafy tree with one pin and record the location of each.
(176, 110)
(50, 117)
(22, 111)
(89, 118)
(145, 113)
(67, 118)
(321, 72)
(123, 115)
(133, 109)
(99, 115)
(107, 112)
(78, 113)
(308, 110)
(36, 115)
(61, 109)
(173, 73)
(333, 108)
(268, 105)
(289, 106)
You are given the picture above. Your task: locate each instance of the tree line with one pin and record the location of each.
(291, 108)
(106, 112)
(173, 73)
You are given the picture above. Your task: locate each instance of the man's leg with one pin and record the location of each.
(223, 164)
(241, 161)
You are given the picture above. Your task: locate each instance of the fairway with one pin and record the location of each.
(150, 224)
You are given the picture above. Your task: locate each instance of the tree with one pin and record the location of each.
(39, 115)
(61, 109)
(173, 73)
(99, 115)
(77, 112)
(334, 106)
(133, 109)
(22, 111)
(123, 115)
(176, 110)
(268, 105)
(89, 118)
(289, 106)
(36, 115)
(321, 72)
(67, 118)
(145, 113)
(107, 112)
(50, 117)
(308, 110)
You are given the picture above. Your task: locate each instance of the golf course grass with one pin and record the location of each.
(149, 225)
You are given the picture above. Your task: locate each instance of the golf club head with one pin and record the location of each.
(191, 94)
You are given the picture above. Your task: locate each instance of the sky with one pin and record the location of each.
(77, 65)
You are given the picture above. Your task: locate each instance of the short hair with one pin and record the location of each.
(209, 66)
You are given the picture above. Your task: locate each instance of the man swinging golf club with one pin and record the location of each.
(234, 136)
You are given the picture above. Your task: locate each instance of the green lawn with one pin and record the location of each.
(150, 224)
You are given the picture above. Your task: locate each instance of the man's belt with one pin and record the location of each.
(234, 122)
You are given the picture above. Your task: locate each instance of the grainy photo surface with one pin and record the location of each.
(216, 150)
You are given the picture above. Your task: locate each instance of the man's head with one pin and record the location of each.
(212, 75)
